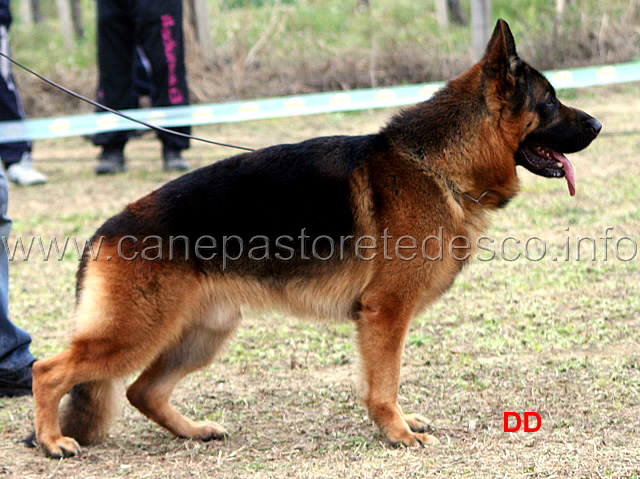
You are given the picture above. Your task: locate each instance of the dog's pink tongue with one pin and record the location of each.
(568, 171)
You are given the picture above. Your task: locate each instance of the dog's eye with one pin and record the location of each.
(551, 101)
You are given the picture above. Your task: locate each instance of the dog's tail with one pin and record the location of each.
(89, 409)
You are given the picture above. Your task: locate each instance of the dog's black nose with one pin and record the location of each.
(593, 126)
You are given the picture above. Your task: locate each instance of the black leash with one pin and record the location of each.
(116, 112)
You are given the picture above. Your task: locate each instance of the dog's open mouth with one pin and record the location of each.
(546, 162)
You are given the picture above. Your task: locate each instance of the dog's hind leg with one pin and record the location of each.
(90, 365)
(151, 391)
(127, 315)
(52, 378)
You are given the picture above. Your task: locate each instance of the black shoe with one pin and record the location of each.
(173, 160)
(111, 161)
(17, 383)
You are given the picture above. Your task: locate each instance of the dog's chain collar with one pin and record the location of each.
(477, 200)
(453, 188)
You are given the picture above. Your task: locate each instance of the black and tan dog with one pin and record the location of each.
(305, 228)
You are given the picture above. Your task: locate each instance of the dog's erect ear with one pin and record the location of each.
(500, 57)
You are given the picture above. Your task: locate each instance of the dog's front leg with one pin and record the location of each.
(382, 324)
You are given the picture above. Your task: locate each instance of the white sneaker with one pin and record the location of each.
(22, 172)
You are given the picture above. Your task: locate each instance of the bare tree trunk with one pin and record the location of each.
(26, 12)
(442, 14)
(35, 8)
(200, 20)
(66, 24)
(480, 26)
(76, 17)
(455, 11)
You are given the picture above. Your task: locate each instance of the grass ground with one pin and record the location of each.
(557, 337)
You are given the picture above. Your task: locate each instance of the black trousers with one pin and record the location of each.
(156, 27)
(10, 105)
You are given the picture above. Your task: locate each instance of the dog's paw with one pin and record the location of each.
(414, 439)
(60, 447)
(417, 423)
(30, 440)
(207, 431)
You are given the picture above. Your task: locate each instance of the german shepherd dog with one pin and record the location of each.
(176, 267)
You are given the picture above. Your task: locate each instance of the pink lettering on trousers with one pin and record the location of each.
(175, 95)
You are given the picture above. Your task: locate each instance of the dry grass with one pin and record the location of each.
(560, 338)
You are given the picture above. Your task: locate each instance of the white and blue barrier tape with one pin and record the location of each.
(77, 125)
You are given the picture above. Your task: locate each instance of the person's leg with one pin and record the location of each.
(116, 48)
(16, 156)
(160, 36)
(15, 357)
(141, 75)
